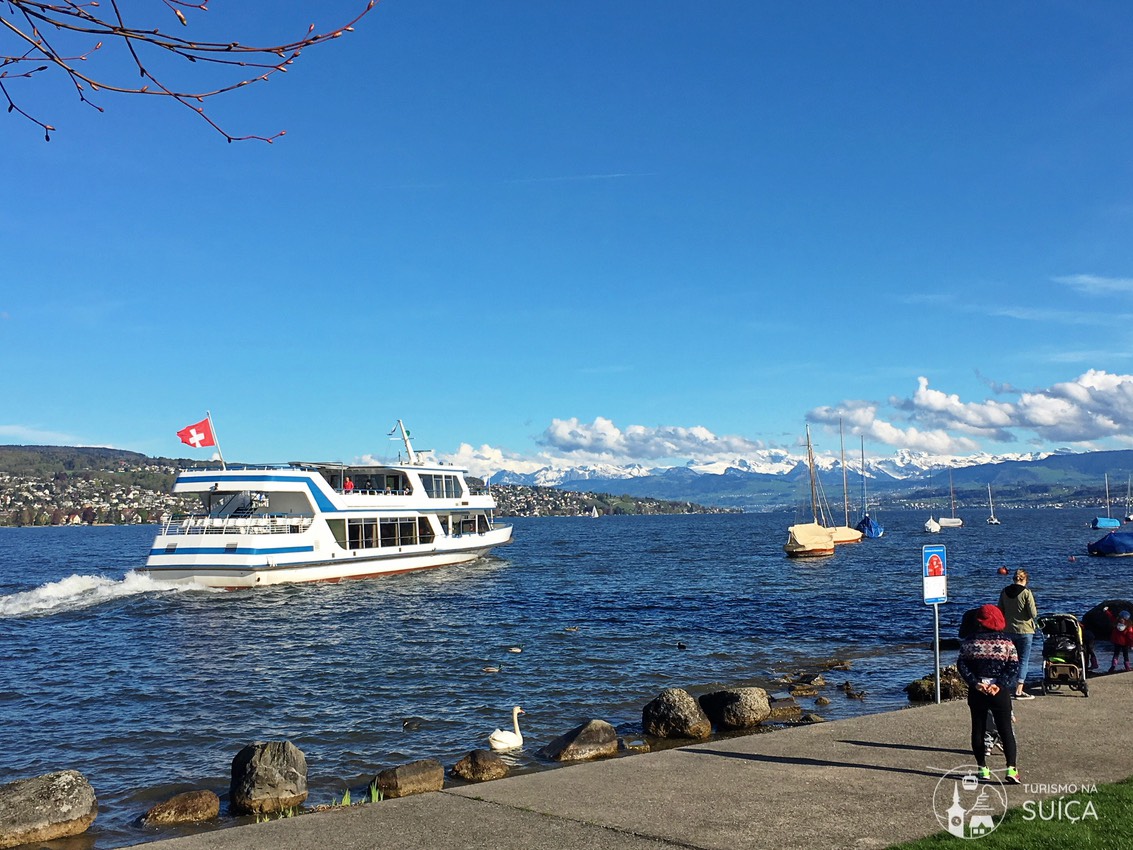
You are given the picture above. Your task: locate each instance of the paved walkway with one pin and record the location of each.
(867, 782)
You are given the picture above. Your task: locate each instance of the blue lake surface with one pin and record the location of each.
(150, 690)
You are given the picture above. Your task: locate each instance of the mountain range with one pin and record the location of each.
(780, 479)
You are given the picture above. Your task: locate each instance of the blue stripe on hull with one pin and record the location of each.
(220, 550)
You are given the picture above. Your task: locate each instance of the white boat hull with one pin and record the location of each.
(208, 568)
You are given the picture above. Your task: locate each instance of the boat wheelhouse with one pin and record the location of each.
(304, 522)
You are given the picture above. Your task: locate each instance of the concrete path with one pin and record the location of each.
(867, 782)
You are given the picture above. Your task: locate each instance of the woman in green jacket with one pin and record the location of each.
(1019, 609)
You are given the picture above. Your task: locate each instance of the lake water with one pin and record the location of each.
(150, 690)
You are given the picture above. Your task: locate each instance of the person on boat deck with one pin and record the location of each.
(348, 486)
(1121, 637)
(989, 666)
(1017, 603)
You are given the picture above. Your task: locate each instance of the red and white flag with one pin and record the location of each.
(198, 435)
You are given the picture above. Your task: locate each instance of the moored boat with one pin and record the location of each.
(952, 521)
(992, 518)
(867, 525)
(1106, 521)
(307, 522)
(1116, 544)
(810, 539)
(932, 526)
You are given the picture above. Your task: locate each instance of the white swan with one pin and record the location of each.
(502, 739)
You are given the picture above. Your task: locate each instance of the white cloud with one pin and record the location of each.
(1097, 405)
(30, 436)
(1092, 284)
(602, 440)
(488, 460)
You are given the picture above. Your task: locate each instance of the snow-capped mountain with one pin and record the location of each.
(903, 465)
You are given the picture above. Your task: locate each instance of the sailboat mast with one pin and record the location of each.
(845, 485)
(865, 503)
(810, 467)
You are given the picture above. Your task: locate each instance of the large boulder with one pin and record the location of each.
(417, 777)
(736, 708)
(952, 686)
(480, 766)
(593, 739)
(190, 807)
(675, 714)
(43, 808)
(268, 777)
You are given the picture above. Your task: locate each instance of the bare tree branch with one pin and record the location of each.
(81, 31)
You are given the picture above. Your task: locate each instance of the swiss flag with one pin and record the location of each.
(197, 435)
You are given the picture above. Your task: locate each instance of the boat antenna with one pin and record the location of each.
(409, 453)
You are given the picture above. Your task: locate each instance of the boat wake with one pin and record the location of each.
(82, 591)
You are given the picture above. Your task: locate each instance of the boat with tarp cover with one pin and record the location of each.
(1116, 544)
(309, 522)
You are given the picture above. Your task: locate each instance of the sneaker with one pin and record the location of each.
(1112, 669)
(1127, 668)
(985, 774)
(1012, 777)
(1024, 695)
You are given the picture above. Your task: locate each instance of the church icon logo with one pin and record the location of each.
(966, 806)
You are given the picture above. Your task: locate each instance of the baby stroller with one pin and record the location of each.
(1064, 653)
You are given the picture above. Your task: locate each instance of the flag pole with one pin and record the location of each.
(212, 428)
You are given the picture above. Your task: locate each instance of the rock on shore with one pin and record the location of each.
(593, 739)
(190, 807)
(56, 805)
(736, 708)
(675, 714)
(268, 777)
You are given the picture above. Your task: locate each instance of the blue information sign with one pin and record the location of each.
(934, 572)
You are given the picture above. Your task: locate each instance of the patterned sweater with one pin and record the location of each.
(989, 655)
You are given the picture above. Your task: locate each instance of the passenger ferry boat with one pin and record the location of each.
(303, 522)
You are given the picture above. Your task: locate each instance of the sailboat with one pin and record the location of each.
(868, 526)
(992, 519)
(845, 533)
(810, 539)
(951, 521)
(1106, 521)
(931, 526)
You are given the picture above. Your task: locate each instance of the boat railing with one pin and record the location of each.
(255, 524)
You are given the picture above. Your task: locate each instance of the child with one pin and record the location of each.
(1121, 637)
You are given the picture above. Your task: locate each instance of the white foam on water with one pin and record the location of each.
(76, 592)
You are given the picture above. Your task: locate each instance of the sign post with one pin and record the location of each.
(934, 578)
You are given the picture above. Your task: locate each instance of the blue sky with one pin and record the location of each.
(564, 232)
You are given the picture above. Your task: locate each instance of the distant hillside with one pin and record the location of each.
(54, 485)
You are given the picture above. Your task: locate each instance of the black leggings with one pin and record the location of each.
(1000, 707)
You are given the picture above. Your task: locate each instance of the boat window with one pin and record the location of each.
(482, 523)
(444, 524)
(338, 529)
(388, 531)
(442, 486)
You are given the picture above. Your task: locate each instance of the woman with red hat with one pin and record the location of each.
(989, 665)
